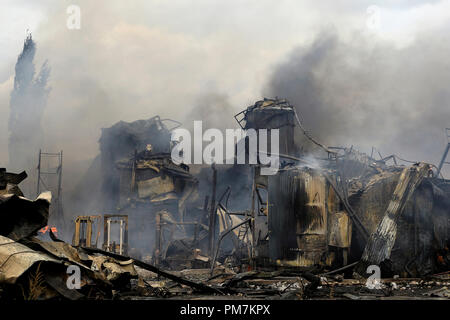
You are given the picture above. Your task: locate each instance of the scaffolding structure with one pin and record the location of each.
(444, 156)
(44, 174)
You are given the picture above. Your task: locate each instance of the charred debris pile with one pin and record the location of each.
(318, 228)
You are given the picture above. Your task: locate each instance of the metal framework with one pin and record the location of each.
(248, 224)
(43, 183)
(444, 157)
(112, 246)
(84, 231)
(160, 223)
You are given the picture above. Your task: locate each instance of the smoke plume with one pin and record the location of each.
(367, 94)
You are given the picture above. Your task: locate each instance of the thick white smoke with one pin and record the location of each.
(28, 100)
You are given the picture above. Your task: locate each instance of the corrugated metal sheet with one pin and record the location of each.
(16, 259)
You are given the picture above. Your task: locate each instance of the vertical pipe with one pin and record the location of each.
(105, 233)
(109, 234)
(212, 214)
(38, 175)
(121, 236)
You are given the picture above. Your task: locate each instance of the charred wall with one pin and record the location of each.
(423, 228)
(120, 142)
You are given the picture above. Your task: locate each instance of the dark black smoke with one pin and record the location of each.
(368, 93)
(28, 100)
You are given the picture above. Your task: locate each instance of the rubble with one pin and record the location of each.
(40, 268)
(22, 217)
(314, 230)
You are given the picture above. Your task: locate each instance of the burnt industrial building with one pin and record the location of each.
(327, 216)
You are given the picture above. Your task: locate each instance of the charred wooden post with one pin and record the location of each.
(381, 242)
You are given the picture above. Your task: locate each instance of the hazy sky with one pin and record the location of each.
(135, 59)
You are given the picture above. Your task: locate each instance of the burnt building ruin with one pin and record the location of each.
(328, 214)
(319, 211)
